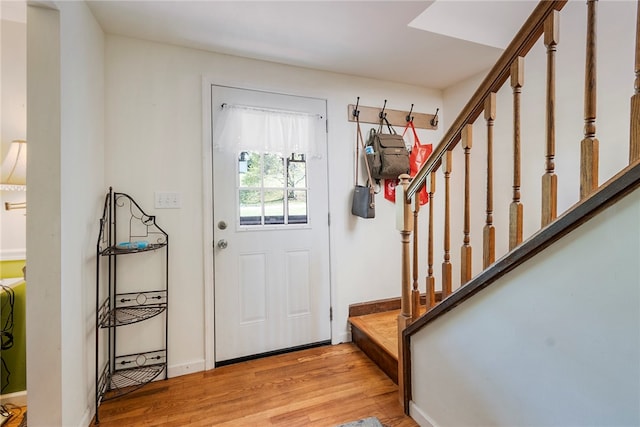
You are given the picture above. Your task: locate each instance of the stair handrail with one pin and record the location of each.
(521, 44)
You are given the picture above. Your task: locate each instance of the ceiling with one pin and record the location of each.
(432, 44)
(386, 40)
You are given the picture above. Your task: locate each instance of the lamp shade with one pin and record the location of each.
(14, 167)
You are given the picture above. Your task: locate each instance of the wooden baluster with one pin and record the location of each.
(415, 292)
(634, 147)
(516, 208)
(405, 224)
(489, 232)
(465, 250)
(550, 179)
(446, 264)
(589, 145)
(431, 281)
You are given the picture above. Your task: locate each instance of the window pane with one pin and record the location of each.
(274, 206)
(249, 169)
(250, 207)
(297, 203)
(273, 170)
(265, 179)
(297, 176)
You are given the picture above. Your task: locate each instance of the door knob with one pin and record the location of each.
(222, 244)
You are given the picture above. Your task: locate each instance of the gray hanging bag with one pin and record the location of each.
(390, 157)
(363, 203)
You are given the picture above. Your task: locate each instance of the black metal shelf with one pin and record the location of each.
(131, 372)
(126, 229)
(131, 308)
(129, 315)
(114, 250)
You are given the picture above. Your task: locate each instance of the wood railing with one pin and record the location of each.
(543, 22)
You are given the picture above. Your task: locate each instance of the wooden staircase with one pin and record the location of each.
(383, 329)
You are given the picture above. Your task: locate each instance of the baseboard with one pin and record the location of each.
(18, 398)
(371, 307)
(379, 306)
(186, 368)
(420, 417)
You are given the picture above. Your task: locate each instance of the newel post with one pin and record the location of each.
(404, 223)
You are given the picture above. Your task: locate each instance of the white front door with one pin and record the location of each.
(271, 237)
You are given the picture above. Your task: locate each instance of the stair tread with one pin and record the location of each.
(380, 328)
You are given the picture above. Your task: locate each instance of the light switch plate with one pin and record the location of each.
(168, 200)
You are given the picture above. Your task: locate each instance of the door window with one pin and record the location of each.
(272, 189)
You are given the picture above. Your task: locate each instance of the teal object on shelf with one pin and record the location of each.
(140, 244)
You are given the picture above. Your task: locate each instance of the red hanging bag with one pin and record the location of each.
(418, 157)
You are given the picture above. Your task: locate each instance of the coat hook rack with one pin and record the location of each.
(395, 117)
(382, 114)
(409, 118)
(434, 119)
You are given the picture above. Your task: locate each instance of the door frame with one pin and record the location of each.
(207, 215)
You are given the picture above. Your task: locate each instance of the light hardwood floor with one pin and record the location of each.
(323, 386)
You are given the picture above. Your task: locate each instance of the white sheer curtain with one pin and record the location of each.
(244, 128)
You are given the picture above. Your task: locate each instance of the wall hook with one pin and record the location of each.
(356, 112)
(434, 120)
(382, 114)
(409, 118)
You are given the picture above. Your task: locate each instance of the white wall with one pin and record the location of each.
(13, 125)
(553, 343)
(154, 142)
(65, 131)
(82, 195)
(615, 87)
(44, 329)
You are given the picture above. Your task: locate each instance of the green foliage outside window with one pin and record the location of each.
(274, 177)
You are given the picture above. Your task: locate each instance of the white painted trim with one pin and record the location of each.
(18, 398)
(207, 226)
(186, 368)
(420, 417)
(44, 4)
(13, 254)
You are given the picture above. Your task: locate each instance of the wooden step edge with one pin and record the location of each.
(377, 353)
(371, 334)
